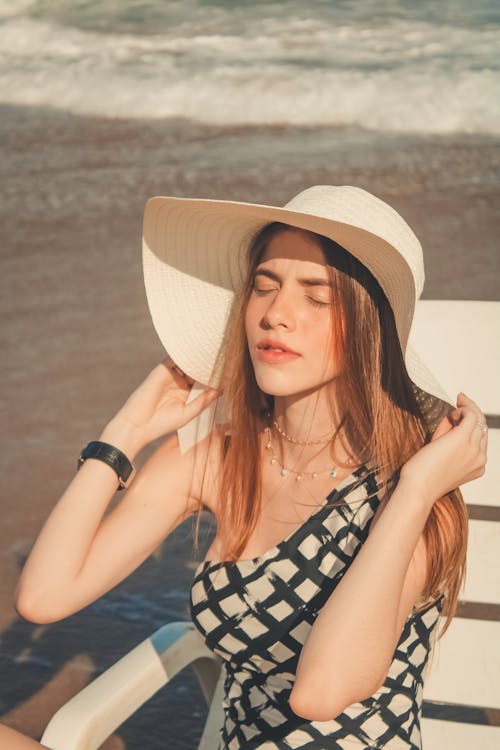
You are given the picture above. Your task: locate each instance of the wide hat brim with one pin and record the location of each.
(194, 264)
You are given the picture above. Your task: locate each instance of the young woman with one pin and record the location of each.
(331, 463)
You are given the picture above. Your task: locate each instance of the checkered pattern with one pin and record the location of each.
(256, 616)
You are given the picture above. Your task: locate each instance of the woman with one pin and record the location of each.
(332, 467)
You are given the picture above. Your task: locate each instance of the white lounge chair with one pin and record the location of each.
(461, 341)
(462, 695)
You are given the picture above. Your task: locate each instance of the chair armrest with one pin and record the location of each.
(85, 721)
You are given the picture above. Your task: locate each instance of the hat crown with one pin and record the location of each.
(358, 208)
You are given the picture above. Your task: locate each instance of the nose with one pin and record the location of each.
(279, 312)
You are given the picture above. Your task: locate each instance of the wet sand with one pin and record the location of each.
(77, 338)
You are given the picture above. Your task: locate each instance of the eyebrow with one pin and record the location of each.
(305, 282)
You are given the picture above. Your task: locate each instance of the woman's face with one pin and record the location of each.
(288, 318)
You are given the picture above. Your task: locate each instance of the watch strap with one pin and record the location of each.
(112, 456)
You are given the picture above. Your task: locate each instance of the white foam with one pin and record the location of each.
(396, 76)
(10, 8)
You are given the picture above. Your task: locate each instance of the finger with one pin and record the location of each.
(171, 367)
(164, 376)
(464, 400)
(476, 423)
(483, 441)
(483, 429)
(198, 404)
(157, 376)
(474, 416)
(187, 379)
(469, 413)
(166, 368)
(181, 379)
(168, 361)
(467, 405)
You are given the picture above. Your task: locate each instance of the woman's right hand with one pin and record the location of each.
(158, 406)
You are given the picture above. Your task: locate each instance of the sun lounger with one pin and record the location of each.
(462, 694)
(461, 341)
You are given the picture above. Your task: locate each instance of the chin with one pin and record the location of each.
(280, 384)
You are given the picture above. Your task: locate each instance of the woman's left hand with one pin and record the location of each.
(455, 455)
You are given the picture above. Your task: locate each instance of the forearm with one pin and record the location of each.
(78, 556)
(349, 648)
(63, 543)
(14, 740)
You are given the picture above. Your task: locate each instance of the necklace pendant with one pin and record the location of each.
(333, 473)
(314, 475)
(268, 445)
(284, 472)
(299, 478)
(273, 460)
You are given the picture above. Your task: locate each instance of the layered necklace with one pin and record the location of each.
(285, 470)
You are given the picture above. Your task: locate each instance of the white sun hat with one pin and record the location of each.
(194, 263)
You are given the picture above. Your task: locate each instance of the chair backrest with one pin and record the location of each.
(460, 343)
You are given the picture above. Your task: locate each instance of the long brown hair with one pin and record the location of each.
(386, 418)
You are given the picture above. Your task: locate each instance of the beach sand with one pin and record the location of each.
(77, 337)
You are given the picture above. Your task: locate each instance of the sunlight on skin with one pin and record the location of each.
(14, 740)
(291, 305)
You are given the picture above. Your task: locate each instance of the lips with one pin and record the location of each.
(274, 346)
(274, 352)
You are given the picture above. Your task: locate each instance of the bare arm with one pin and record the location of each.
(356, 632)
(78, 556)
(14, 740)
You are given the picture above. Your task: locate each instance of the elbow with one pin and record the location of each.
(314, 708)
(324, 702)
(307, 707)
(29, 608)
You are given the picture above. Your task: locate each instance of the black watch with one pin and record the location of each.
(111, 456)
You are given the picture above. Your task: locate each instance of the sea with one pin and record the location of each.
(407, 66)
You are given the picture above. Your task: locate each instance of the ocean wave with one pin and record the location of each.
(152, 16)
(397, 76)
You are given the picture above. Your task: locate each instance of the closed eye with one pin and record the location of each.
(261, 291)
(317, 302)
(264, 290)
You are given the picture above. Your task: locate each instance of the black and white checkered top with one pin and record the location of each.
(256, 615)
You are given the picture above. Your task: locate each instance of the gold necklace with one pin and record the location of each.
(321, 441)
(299, 475)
